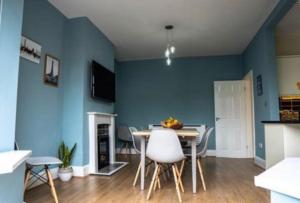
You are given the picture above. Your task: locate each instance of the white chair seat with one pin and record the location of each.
(43, 160)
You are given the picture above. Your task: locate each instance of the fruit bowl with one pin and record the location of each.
(172, 123)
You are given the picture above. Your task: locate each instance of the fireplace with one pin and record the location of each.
(102, 158)
(103, 145)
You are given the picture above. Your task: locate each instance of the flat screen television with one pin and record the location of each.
(102, 83)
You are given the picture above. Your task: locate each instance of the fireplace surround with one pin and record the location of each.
(102, 158)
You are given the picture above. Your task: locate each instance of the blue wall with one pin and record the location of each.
(148, 91)
(84, 43)
(260, 57)
(39, 109)
(11, 185)
(10, 37)
(47, 115)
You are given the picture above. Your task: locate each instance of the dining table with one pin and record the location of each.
(189, 134)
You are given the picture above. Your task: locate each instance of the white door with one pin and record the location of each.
(230, 119)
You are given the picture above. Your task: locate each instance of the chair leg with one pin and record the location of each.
(137, 175)
(51, 184)
(179, 178)
(121, 148)
(126, 146)
(201, 174)
(152, 182)
(182, 167)
(157, 180)
(147, 170)
(176, 183)
(27, 176)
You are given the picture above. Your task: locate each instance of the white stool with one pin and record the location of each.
(43, 162)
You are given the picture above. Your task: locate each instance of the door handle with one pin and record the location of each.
(217, 118)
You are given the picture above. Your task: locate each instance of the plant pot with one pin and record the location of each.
(65, 174)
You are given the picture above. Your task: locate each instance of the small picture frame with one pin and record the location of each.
(30, 50)
(51, 72)
(259, 85)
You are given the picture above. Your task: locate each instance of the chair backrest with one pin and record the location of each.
(135, 140)
(124, 133)
(202, 147)
(164, 146)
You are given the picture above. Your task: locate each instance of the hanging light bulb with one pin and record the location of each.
(168, 61)
(172, 49)
(167, 53)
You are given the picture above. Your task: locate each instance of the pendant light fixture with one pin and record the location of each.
(170, 49)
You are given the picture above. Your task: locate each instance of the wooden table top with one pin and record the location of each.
(186, 132)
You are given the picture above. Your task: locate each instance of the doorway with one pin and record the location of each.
(234, 119)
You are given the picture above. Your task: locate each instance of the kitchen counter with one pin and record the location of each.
(283, 179)
(10, 160)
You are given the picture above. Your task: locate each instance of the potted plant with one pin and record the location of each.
(65, 171)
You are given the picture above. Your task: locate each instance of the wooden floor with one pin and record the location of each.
(228, 180)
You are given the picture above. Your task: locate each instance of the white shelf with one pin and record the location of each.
(10, 160)
(283, 177)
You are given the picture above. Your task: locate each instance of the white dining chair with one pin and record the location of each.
(136, 142)
(200, 152)
(164, 148)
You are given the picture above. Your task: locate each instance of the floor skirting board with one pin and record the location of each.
(80, 171)
(260, 162)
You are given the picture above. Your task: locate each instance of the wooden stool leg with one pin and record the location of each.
(137, 175)
(201, 174)
(27, 176)
(176, 183)
(152, 182)
(51, 184)
(179, 178)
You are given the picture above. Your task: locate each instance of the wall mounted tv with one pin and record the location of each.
(102, 83)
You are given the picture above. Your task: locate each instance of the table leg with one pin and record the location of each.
(143, 154)
(194, 166)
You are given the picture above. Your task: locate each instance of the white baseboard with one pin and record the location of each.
(53, 172)
(211, 152)
(80, 171)
(260, 162)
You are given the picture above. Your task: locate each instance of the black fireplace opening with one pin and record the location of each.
(103, 145)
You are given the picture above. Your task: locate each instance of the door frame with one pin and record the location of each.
(250, 77)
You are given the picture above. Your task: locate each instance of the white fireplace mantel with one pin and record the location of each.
(96, 118)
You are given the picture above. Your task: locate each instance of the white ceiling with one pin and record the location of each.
(202, 27)
(288, 32)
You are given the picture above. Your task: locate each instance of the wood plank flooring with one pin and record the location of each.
(227, 180)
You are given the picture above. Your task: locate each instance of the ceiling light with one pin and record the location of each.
(169, 61)
(170, 50)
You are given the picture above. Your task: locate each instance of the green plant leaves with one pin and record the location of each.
(66, 155)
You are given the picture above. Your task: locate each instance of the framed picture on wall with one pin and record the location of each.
(51, 73)
(259, 85)
(30, 50)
